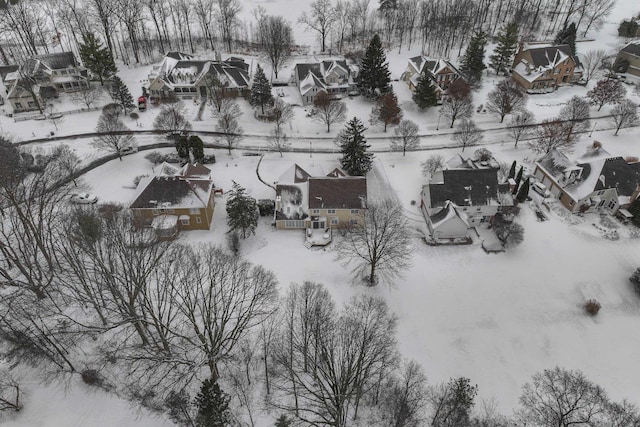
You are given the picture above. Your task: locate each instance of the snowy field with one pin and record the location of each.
(496, 319)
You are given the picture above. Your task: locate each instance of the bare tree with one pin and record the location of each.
(227, 16)
(623, 414)
(510, 233)
(433, 164)
(386, 110)
(10, 392)
(467, 134)
(321, 19)
(405, 137)
(328, 111)
(67, 160)
(459, 103)
(625, 115)
(520, 125)
(562, 398)
(87, 97)
(576, 116)
(217, 93)
(113, 135)
(28, 83)
(281, 113)
(607, 91)
(551, 134)
(171, 118)
(379, 244)
(451, 403)
(228, 123)
(405, 397)
(275, 39)
(278, 140)
(591, 62)
(506, 98)
(596, 12)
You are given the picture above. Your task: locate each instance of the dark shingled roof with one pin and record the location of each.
(6, 69)
(303, 69)
(544, 56)
(615, 173)
(480, 185)
(57, 61)
(632, 48)
(178, 55)
(193, 170)
(171, 190)
(198, 64)
(338, 193)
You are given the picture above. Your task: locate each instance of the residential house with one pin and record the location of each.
(448, 224)
(596, 181)
(52, 73)
(471, 185)
(441, 72)
(175, 199)
(319, 204)
(181, 75)
(332, 76)
(4, 88)
(543, 69)
(631, 53)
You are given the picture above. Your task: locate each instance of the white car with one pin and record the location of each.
(83, 198)
(541, 189)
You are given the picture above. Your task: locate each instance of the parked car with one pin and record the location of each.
(128, 150)
(541, 189)
(83, 198)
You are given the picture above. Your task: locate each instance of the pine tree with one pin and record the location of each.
(260, 89)
(120, 94)
(523, 192)
(425, 94)
(96, 58)
(283, 421)
(213, 406)
(355, 158)
(242, 211)
(512, 171)
(518, 179)
(473, 60)
(374, 73)
(567, 35)
(501, 60)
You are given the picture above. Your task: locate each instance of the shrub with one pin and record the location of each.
(266, 207)
(137, 179)
(92, 377)
(635, 280)
(155, 157)
(592, 307)
(208, 159)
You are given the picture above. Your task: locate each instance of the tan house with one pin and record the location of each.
(544, 69)
(51, 74)
(594, 182)
(181, 75)
(631, 53)
(319, 204)
(176, 199)
(441, 72)
(333, 76)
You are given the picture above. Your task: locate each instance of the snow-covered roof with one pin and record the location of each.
(173, 193)
(540, 60)
(309, 82)
(447, 213)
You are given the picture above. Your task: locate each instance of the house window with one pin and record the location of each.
(67, 85)
(198, 220)
(59, 86)
(63, 72)
(556, 71)
(294, 224)
(334, 220)
(315, 211)
(478, 209)
(601, 203)
(568, 70)
(331, 211)
(612, 204)
(154, 211)
(194, 211)
(192, 89)
(30, 104)
(185, 221)
(355, 211)
(18, 106)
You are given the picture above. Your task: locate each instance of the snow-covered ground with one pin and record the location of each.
(496, 319)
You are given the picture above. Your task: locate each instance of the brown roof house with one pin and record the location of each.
(175, 199)
(594, 182)
(466, 191)
(543, 69)
(631, 54)
(318, 204)
(441, 72)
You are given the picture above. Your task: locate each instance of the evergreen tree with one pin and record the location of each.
(523, 192)
(242, 211)
(473, 60)
(512, 171)
(260, 89)
(355, 158)
(501, 60)
(120, 94)
(425, 94)
(97, 58)
(374, 73)
(196, 145)
(567, 35)
(518, 179)
(213, 406)
(283, 421)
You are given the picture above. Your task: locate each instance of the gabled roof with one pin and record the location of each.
(191, 71)
(338, 193)
(180, 56)
(303, 69)
(309, 83)
(632, 48)
(195, 170)
(466, 186)
(337, 173)
(174, 193)
(549, 56)
(335, 64)
(448, 212)
(294, 175)
(7, 69)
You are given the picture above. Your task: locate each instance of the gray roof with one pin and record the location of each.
(57, 61)
(632, 48)
(180, 56)
(616, 173)
(544, 56)
(467, 187)
(338, 193)
(6, 69)
(303, 69)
